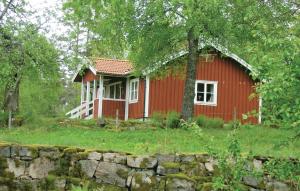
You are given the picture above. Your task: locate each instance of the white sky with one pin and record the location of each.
(50, 23)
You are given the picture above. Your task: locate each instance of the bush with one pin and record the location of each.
(3, 118)
(215, 123)
(206, 122)
(158, 119)
(201, 121)
(173, 120)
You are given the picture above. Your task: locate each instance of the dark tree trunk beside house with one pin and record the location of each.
(189, 88)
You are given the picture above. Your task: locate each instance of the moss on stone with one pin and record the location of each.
(144, 163)
(169, 165)
(3, 165)
(107, 187)
(181, 176)
(207, 186)
(122, 173)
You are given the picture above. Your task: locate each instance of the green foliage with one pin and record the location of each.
(158, 119)
(3, 118)
(231, 166)
(284, 170)
(173, 120)
(206, 122)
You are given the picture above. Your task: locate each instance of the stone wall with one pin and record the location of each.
(59, 168)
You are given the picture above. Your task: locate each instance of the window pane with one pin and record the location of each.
(118, 93)
(210, 88)
(135, 85)
(200, 87)
(209, 97)
(200, 96)
(111, 91)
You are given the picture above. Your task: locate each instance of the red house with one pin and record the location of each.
(223, 87)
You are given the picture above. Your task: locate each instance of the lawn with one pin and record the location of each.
(259, 140)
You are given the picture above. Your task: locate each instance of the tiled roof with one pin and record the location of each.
(112, 66)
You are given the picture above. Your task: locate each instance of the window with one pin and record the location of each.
(134, 90)
(206, 92)
(113, 91)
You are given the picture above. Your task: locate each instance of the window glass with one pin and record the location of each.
(205, 92)
(134, 90)
(210, 88)
(118, 91)
(112, 92)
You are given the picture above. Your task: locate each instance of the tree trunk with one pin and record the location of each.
(6, 7)
(189, 88)
(11, 97)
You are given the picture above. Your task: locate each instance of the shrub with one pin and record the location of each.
(158, 119)
(3, 118)
(201, 121)
(206, 122)
(173, 120)
(215, 123)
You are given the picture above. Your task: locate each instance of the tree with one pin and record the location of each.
(153, 31)
(24, 52)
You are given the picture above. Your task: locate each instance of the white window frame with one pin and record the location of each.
(137, 90)
(107, 88)
(205, 82)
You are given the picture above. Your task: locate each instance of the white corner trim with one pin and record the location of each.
(100, 102)
(147, 96)
(138, 87)
(259, 109)
(215, 93)
(127, 99)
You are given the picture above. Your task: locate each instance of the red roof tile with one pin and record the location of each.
(112, 66)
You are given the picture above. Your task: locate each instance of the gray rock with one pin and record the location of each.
(89, 167)
(5, 151)
(52, 154)
(114, 157)
(4, 188)
(277, 186)
(16, 166)
(202, 158)
(162, 158)
(179, 184)
(143, 180)
(95, 156)
(168, 168)
(141, 161)
(27, 153)
(210, 165)
(40, 167)
(14, 150)
(258, 165)
(60, 184)
(193, 169)
(252, 181)
(187, 158)
(112, 173)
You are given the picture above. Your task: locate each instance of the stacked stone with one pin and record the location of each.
(61, 168)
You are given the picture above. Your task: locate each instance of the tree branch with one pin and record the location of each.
(6, 9)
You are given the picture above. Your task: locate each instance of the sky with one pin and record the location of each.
(50, 23)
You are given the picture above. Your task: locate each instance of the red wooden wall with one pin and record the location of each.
(234, 88)
(109, 108)
(88, 76)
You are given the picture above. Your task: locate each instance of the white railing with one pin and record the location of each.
(79, 111)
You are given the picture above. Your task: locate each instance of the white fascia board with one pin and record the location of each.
(80, 67)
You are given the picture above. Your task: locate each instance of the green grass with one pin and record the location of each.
(258, 140)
